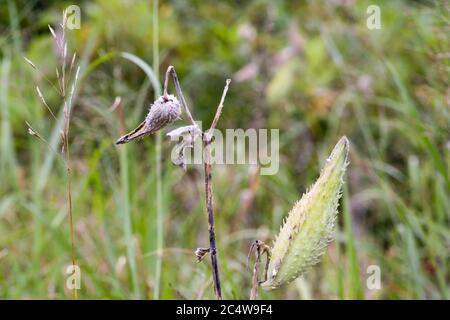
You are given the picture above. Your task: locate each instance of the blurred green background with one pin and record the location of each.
(309, 68)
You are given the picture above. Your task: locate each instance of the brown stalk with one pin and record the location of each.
(171, 70)
(254, 290)
(207, 140)
(211, 228)
(260, 248)
(209, 197)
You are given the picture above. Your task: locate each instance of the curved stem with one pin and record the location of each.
(171, 70)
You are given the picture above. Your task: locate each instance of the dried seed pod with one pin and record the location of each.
(309, 226)
(165, 110)
(189, 134)
(201, 253)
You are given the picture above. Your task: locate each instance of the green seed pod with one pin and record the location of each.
(310, 225)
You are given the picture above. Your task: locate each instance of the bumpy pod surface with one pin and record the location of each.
(310, 225)
(164, 111)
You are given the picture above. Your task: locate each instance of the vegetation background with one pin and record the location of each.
(310, 68)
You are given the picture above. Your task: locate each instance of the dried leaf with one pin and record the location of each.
(188, 134)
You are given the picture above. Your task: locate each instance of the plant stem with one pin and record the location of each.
(159, 206)
(127, 224)
(125, 212)
(72, 235)
(219, 109)
(69, 199)
(171, 70)
(254, 290)
(260, 248)
(211, 228)
(209, 198)
(207, 140)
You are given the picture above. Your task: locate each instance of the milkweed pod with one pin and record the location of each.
(164, 111)
(310, 225)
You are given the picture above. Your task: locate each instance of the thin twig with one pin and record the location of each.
(208, 174)
(166, 81)
(211, 228)
(69, 198)
(171, 70)
(207, 140)
(260, 248)
(219, 109)
(255, 283)
(209, 198)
